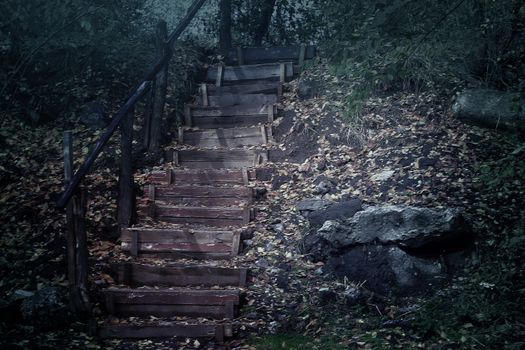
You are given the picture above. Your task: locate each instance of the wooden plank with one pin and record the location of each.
(173, 296)
(230, 122)
(200, 212)
(179, 276)
(230, 138)
(179, 247)
(229, 99)
(171, 236)
(209, 311)
(268, 71)
(229, 111)
(202, 195)
(257, 87)
(164, 331)
(260, 55)
(236, 244)
(187, 156)
(199, 177)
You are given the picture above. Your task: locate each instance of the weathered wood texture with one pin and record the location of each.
(187, 242)
(179, 276)
(172, 302)
(230, 99)
(230, 138)
(220, 159)
(200, 195)
(254, 55)
(251, 87)
(203, 177)
(126, 198)
(219, 331)
(209, 216)
(229, 117)
(268, 71)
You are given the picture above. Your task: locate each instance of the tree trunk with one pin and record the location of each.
(265, 20)
(160, 87)
(225, 35)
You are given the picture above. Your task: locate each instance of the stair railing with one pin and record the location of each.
(75, 200)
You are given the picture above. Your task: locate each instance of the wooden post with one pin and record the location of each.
(82, 270)
(71, 240)
(77, 251)
(126, 187)
(160, 86)
(148, 111)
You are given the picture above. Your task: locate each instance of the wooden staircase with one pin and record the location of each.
(197, 208)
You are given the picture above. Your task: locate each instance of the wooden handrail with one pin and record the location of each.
(136, 93)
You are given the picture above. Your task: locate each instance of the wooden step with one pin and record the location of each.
(218, 304)
(219, 159)
(205, 243)
(224, 75)
(200, 195)
(250, 87)
(253, 55)
(217, 331)
(137, 275)
(230, 138)
(235, 99)
(228, 117)
(209, 216)
(217, 177)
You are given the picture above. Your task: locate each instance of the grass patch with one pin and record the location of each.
(295, 342)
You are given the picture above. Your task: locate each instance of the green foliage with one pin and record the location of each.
(295, 342)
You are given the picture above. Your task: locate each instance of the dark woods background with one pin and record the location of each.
(390, 43)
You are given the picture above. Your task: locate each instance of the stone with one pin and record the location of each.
(307, 88)
(94, 116)
(323, 187)
(407, 226)
(382, 176)
(353, 296)
(342, 210)
(387, 270)
(46, 309)
(311, 204)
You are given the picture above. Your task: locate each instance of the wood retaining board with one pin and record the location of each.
(252, 55)
(209, 216)
(250, 87)
(232, 137)
(228, 117)
(217, 331)
(200, 195)
(268, 71)
(179, 276)
(172, 302)
(219, 159)
(176, 241)
(235, 99)
(202, 177)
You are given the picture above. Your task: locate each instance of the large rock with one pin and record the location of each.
(324, 211)
(405, 226)
(387, 270)
(491, 108)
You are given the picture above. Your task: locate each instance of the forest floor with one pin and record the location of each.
(436, 162)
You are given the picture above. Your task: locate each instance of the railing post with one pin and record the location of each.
(126, 198)
(77, 251)
(159, 89)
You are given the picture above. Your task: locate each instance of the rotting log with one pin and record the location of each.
(491, 108)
